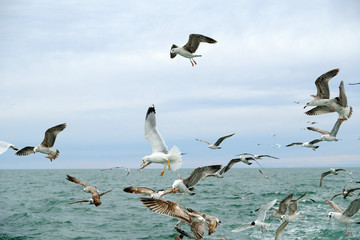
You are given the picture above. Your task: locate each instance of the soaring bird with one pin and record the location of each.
(344, 217)
(259, 156)
(90, 189)
(329, 136)
(90, 201)
(148, 191)
(47, 143)
(221, 173)
(172, 209)
(259, 222)
(332, 171)
(5, 146)
(213, 222)
(245, 160)
(306, 144)
(190, 47)
(283, 206)
(186, 185)
(216, 145)
(160, 153)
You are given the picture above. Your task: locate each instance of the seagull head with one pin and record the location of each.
(252, 224)
(36, 149)
(330, 215)
(173, 51)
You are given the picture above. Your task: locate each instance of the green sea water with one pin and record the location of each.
(34, 204)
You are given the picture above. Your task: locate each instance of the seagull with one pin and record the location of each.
(337, 104)
(332, 171)
(258, 156)
(288, 218)
(306, 144)
(148, 191)
(126, 169)
(213, 222)
(224, 169)
(354, 83)
(243, 197)
(187, 185)
(350, 192)
(323, 92)
(190, 47)
(266, 176)
(311, 122)
(160, 153)
(174, 210)
(344, 217)
(47, 143)
(5, 146)
(259, 222)
(245, 160)
(283, 206)
(90, 201)
(90, 189)
(329, 136)
(218, 142)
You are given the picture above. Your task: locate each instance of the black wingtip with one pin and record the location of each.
(151, 109)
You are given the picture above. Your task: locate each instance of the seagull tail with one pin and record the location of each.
(176, 160)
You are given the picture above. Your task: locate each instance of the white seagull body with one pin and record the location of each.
(306, 144)
(190, 47)
(259, 222)
(344, 217)
(160, 153)
(332, 171)
(4, 146)
(245, 160)
(329, 136)
(216, 145)
(47, 143)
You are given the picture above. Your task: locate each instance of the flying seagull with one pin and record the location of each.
(47, 143)
(190, 47)
(90, 189)
(288, 218)
(258, 156)
(329, 136)
(125, 168)
(337, 104)
(332, 171)
(160, 153)
(344, 217)
(283, 206)
(174, 210)
(266, 176)
(213, 222)
(306, 144)
(221, 173)
(148, 191)
(216, 145)
(186, 185)
(245, 160)
(243, 196)
(90, 201)
(5, 146)
(323, 92)
(354, 83)
(259, 222)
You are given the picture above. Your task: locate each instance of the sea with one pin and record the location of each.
(34, 204)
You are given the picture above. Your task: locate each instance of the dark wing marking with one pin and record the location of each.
(195, 40)
(25, 151)
(139, 190)
(75, 180)
(322, 84)
(219, 141)
(229, 165)
(51, 133)
(200, 173)
(324, 174)
(353, 208)
(319, 110)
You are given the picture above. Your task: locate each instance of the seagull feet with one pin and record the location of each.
(49, 157)
(142, 164)
(193, 63)
(169, 164)
(162, 173)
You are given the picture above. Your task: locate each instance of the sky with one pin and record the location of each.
(98, 65)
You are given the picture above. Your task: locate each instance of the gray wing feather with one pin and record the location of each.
(336, 127)
(322, 84)
(324, 174)
(319, 110)
(200, 173)
(25, 151)
(342, 95)
(353, 208)
(280, 230)
(323, 132)
(51, 133)
(229, 165)
(219, 141)
(195, 40)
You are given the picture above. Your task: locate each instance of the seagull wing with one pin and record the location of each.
(263, 209)
(322, 84)
(75, 180)
(219, 141)
(319, 110)
(151, 133)
(5, 146)
(170, 190)
(324, 174)
(101, 194)
(80, 201)
(195, 40)
(336, 195)
(242, 228)
(284, 204)
(280, 230)
(229, 165)
(350, 191)
(353, 208)
(336, 207)
(208, 143)
(200, 173)
(25, 151)
(139, 190)
(315, 141)
(169, 208)
(293, 144)
(336, 127)
(342, 95)
(51, 133)
(323, 132)
(265, 155)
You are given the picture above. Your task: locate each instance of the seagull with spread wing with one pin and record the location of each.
(47, 143)
(310, 144)
(4, 146)
(329, 136)
(333, 171)
(160, 153)
(344, 217)
(90, 189)
(90, 201)
(148, 191)
(190, 47)
(259, 156)
(216, 145)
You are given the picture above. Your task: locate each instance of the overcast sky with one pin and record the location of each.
(98, 66)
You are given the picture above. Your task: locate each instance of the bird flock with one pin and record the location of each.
(198, 222)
